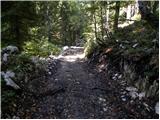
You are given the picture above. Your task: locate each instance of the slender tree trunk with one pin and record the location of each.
(94, 20)
(95, 26)
(102, 28)
(49, 23)
(116, 16)
(48, 20)
(64, 23)
(70, 36)
(129, 12)
(16, 31)
(136, 6)
(107, 16)
(107, 20)
(74, 37)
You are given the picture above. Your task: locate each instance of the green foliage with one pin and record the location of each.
(7, 96)
(138, 32)
(23, 63)
(17, 18)
(145, 54)
(2, 81)
(90, 45)
(126, 3)
(42, 48)
(18, 63)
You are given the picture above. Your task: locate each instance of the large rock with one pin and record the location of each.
(7, 51)
(10, 49)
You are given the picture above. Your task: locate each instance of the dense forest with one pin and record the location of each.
(80, 59)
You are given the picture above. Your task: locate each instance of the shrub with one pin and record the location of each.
(90, 45)
(42, 48)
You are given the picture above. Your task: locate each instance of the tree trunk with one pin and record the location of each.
(129, 12)
(48, 12)
(136, 7)
(102, 28)
(95, 26)
(16, 30)
(64, 22)
(70, 42)
(107, 16)
(116, 16)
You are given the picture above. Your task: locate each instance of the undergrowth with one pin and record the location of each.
(135, 48)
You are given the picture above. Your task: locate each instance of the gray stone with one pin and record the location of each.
(133, 94)
(102, 99)
(124, 99)
(131, 89)
(120, 76)
(141, 95)
(4, 58)
(135, 45)
(105, 109)
(12, 48)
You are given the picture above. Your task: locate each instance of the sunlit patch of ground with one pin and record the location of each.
(72, 57)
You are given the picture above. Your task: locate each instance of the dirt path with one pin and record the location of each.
(79, 91)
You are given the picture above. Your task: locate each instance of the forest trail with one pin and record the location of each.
(74, 91)
(78, 91)
(77, 94)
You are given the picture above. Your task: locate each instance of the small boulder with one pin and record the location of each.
(131, 89)
(12, 49)
(141, 95)
(133, 94)
(5, 57)
(10, 74)
(65, 48)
